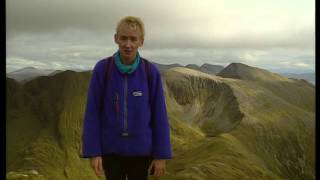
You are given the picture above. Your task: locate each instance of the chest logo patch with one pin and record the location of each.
(137, 93)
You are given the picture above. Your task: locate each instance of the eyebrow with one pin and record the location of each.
(129, 36)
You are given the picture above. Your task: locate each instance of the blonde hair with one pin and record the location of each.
(131, 22)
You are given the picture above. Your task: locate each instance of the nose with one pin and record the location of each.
(127, 43)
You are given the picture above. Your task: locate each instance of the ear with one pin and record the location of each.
(141, 42)
(116, 38)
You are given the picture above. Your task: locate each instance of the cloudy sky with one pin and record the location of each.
(277, 35)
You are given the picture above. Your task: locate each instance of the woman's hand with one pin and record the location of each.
(96, 164)
(159, 166)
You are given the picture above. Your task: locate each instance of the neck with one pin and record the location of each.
(127, 61)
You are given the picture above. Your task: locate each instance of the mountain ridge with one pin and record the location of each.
(206, 68)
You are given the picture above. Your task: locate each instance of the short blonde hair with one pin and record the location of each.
(133, 22)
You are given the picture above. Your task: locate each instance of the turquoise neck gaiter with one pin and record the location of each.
(126, 69)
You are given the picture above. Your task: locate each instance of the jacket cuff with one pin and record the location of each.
(89, 155)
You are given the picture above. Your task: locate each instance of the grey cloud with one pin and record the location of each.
(38, 16)
(168, 24)
(300, 39)
(67, 49)
(48, 16)
(80, 32)
(70, 51)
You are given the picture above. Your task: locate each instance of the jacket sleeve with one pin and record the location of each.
(91, 137)
(161, 146)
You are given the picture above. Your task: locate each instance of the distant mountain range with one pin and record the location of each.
(28, 73)
(206, 68)
(310, 77)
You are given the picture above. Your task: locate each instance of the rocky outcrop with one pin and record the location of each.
(206, 100)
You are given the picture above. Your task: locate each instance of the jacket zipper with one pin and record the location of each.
(125, 132)
(117, 105)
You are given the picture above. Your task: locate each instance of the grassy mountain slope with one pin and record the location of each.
(57, 106)
(221, 128)
(211, 69)
(297, 92)
(22, 126)
(274, 139)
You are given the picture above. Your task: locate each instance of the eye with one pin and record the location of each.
(123, 38)
(134, 39)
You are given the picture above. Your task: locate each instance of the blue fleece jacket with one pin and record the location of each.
(131, 124)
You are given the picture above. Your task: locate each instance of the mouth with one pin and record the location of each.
(127, 51)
